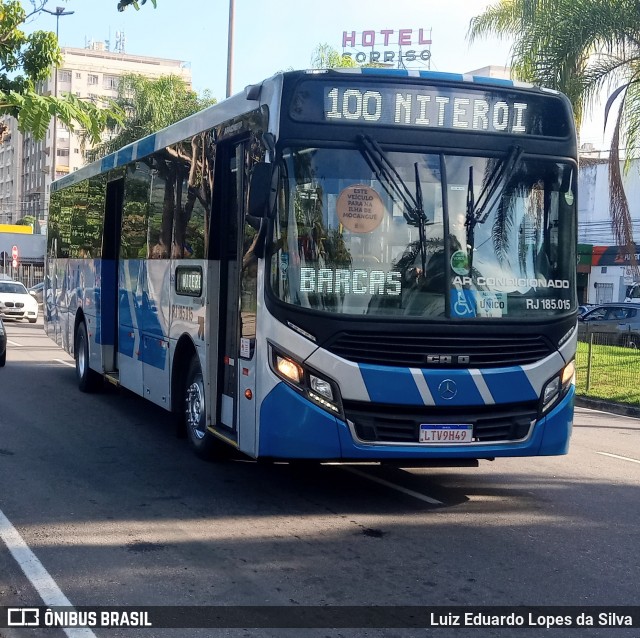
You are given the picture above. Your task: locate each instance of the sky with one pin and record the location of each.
(269, 36)
(277, 35)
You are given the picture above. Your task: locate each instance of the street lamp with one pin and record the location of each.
(57, 13)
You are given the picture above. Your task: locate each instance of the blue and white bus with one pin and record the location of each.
(368, 265)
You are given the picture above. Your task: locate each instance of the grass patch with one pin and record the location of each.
(615, 373)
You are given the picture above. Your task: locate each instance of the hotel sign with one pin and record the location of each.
(387, 46)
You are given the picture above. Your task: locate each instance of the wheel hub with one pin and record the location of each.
(194, 407)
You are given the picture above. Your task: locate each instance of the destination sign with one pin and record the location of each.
(432, 107)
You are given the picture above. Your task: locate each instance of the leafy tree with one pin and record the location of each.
(148, 106)
(26, 60)
(326, 57)
(579, 47)
(123, 4)
(27, 220)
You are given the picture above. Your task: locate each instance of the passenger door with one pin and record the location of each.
(236, 412)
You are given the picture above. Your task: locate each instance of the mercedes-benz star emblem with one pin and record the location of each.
(448, 389)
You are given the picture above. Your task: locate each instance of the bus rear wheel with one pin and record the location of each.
(194, 414)
(88, 380)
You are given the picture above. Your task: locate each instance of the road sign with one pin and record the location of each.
(14, 252)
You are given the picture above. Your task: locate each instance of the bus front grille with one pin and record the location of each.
(374, 423)
(427, 351)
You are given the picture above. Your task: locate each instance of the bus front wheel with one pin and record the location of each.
(194, 413)
(88, 380)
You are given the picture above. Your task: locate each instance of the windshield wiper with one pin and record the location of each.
(478, 210)
(387, 174)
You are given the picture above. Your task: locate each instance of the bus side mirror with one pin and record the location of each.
(263, 183)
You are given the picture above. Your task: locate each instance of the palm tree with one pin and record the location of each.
(580, 47)
(149, 105)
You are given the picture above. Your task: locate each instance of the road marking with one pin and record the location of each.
(38, 576)
(66, 363)
(617, 456)
(393, 486)
(14, 343)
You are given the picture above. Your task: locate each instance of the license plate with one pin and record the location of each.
(446, 433)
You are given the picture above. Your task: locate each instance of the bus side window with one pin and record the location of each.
(161, 209)
(135, 213)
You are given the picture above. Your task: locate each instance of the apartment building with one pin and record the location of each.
(27, 165)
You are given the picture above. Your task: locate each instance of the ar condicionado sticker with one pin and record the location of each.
(360, 208)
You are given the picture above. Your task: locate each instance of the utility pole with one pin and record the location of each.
(57, 13)
(230, 46)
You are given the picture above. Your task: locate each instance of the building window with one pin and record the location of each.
(62, 152)
(92, 79)
(78, 76)
(111, 82)
(64, 76)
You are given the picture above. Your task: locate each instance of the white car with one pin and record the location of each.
(16, 302)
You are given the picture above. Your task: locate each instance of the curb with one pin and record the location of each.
(608, 406)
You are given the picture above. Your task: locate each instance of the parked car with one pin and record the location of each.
(16, 302)
(612, 323)
(3, 344)
(37, 291)
(585, 308)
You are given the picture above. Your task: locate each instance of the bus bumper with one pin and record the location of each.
(291, 427)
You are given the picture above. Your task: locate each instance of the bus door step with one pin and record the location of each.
(113, 377)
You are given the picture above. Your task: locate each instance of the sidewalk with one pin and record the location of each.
(608, 406)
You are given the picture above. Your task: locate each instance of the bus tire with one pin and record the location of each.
(194, 414)
(88, 380)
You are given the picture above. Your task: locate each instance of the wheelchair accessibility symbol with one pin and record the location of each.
(463, 303)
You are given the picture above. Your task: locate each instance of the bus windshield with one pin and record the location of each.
(492, 236)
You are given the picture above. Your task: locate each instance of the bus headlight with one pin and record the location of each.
(313, 385)
(321, 386)
(289, 369)
(557, 387)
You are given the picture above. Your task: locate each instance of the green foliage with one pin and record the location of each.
(579, 47)
(123, 4)
(326, 57)
(27, 220)
(149, 105)
(26, 60)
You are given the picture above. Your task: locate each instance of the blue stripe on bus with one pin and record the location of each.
(124, 155)
(466, 391)
(146, 146)
(397, 386)
(108, 162)
(154, 352)
(390, 385)
(292, 427)
(496, 81)
(374, 71)
(126, 341)
(508, 385)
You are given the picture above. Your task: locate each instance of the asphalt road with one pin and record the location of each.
(120, 512)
